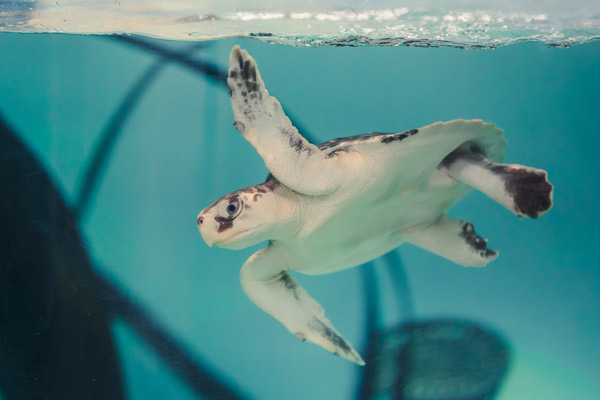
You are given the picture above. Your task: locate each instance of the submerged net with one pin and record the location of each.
(428, 23)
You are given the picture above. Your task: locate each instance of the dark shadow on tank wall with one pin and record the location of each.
(55, 339)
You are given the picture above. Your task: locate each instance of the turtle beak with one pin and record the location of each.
(205, 230)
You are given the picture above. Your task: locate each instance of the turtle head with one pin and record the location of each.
(240, 219)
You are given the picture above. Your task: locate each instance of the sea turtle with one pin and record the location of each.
(337, 205)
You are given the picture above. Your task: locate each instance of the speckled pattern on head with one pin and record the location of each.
(349, 200)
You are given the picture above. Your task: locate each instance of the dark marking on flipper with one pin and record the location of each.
(529, 188)
(384, 138)
(300, 336)
(315, 324)
(476, 242)
(351, 139)
(334, 153)
(290, 284)
(243, 81)
(245, 69)
(330, 335)
(296, 142)
(240, 58)
(399, 136)
(248, 76)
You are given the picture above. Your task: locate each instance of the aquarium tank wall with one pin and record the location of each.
(116, 131)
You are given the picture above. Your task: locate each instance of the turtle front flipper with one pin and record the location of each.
(259, 117)
(453, 239)
(523, 190)
(274, 291)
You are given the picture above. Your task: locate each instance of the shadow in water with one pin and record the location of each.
(439, 359)
(55, 339)
(436, 359)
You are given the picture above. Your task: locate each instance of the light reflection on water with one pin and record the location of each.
(466, 25)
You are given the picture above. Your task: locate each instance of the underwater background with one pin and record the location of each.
(160, 115)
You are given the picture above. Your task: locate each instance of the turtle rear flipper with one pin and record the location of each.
(523, 190)
(453, 239)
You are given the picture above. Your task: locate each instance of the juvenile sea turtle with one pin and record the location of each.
(337, 205)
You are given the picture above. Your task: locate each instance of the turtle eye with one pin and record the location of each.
(233, 207)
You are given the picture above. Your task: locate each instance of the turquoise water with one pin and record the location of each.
(178, 152)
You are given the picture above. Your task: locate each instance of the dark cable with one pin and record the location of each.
(211, 70)
(368, 373)
(109, 138)
(400, 284)
(195, 372)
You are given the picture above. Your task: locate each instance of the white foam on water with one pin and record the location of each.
(466, 23)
